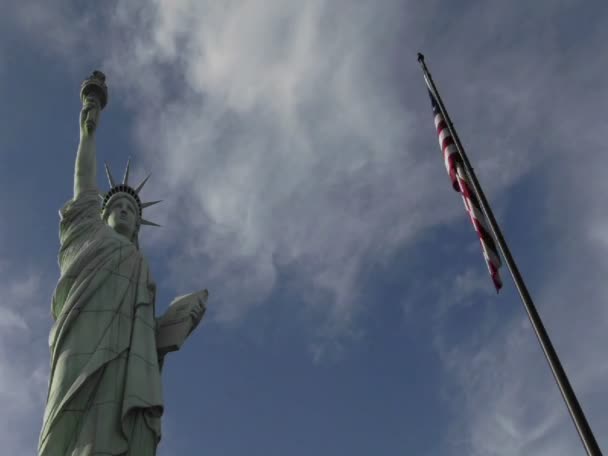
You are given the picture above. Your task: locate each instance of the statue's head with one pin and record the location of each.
(121, 214)
(122, 209)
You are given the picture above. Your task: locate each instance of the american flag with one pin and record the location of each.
(460, 182)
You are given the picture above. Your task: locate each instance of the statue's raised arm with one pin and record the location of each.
(94, 96)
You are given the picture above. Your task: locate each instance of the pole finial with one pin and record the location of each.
(420, 57)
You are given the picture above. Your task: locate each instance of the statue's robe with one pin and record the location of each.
(105, 389)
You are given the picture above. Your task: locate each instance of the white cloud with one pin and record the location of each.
(24, 312)
(280, 143)
(11, 319)
(287, 144)
(278, 136)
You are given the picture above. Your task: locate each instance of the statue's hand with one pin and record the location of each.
(198, 307)
(192, 305)
(89, 115)
(180, 319)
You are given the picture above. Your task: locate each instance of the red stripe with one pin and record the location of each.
(495, 277)
(468, 194)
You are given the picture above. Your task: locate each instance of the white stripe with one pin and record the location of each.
(491, 256)
(488, 253)
(449, 150)
(460, 172)
(479, 216)
(475, 215)
(466, 206)
(443, 134)
(488, 264)
(438, 119)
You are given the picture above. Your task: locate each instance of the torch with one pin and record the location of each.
(94, 86)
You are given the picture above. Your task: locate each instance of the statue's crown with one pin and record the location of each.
(123, 188)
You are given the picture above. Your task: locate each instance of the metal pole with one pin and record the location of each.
(576, 412)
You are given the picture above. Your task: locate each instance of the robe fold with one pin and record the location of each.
(104, 394)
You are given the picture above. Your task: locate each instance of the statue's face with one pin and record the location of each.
(122, 217)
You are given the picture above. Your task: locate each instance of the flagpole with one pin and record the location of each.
(576, 412)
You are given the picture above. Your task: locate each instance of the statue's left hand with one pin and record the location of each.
(179, 321)
(198, 307)
(190, 305)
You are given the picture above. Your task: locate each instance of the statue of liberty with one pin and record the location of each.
(107, 346)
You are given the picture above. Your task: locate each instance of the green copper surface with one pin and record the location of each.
(107, 345)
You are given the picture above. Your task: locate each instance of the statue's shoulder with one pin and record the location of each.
(84, 204)
(80, 216)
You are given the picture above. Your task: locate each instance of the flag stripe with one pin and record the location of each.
(474, 208)
(460, 183)
(450, 153)
(480, 226)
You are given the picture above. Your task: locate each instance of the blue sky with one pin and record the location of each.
(350, 311)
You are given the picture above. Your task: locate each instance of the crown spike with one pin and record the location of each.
(142, 184)
(109, 175)
(125, 180)
(147, 222)
(151, 203)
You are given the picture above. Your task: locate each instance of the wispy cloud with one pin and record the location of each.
(285, 141)
(278, 133)
(23, 357)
